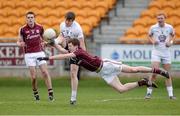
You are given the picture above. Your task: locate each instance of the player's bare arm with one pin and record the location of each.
(169, 41)
(43, 42)
(172, 37)
(152, 40)
(58, 43)
(61, 41)
(57, 57)
(60, 49)
(20, 42)
(82, 43)
(62, 56)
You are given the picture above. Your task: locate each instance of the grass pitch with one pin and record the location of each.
(95, 97)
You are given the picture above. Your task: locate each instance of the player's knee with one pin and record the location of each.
(44, 73)
(73, 74)
(121, 89)
(134, 69)
(33, 76)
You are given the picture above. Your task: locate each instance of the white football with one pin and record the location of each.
(49, 33)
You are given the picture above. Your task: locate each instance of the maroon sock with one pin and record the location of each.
(156, 70)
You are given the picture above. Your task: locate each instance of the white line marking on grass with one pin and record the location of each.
(125, 99)
(26, 102)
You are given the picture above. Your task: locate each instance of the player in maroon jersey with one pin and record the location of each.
(108, 69)
(31, 40)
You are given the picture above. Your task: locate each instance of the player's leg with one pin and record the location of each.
(47, 78)
(155, 62)
(152, 79)
(79, 73)
(168, 82)
(110, 71)
(142, 69)
(131, 69)
(74, 82)
(116, 84)
(31, 63)
(32, 70)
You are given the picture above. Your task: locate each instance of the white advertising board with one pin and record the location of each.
(136, 55)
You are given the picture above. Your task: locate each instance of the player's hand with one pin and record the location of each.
(44, 44)
(169, 44)
(51, 42)
(21, 44)
(43, 58)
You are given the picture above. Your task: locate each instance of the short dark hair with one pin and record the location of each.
(161, 13)
(30, 12)
(70, 16)
(75, 42)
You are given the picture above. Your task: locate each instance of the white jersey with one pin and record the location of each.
(161, 35)
(74, 31)
(160, 52)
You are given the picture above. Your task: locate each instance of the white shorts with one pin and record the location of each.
(163, 57)
(109, 71)
(31, 59)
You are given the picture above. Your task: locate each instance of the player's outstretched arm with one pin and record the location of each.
(82, 44)
(57, 57)
(61, 49)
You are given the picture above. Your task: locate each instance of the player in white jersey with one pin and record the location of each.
(70, 29)
(161, 36)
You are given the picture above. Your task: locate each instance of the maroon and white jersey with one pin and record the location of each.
(86, 60)
(32, 38)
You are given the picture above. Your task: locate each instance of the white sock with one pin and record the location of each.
(149, 90)
(169, 90)
(73, 95)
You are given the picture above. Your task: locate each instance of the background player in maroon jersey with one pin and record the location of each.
(108, 69)
(31, 40)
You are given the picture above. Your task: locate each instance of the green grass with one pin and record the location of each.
(95, 97)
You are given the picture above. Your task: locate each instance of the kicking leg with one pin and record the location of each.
(74, 82)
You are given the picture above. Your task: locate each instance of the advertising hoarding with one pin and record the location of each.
(136, 55)
(12, 56)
